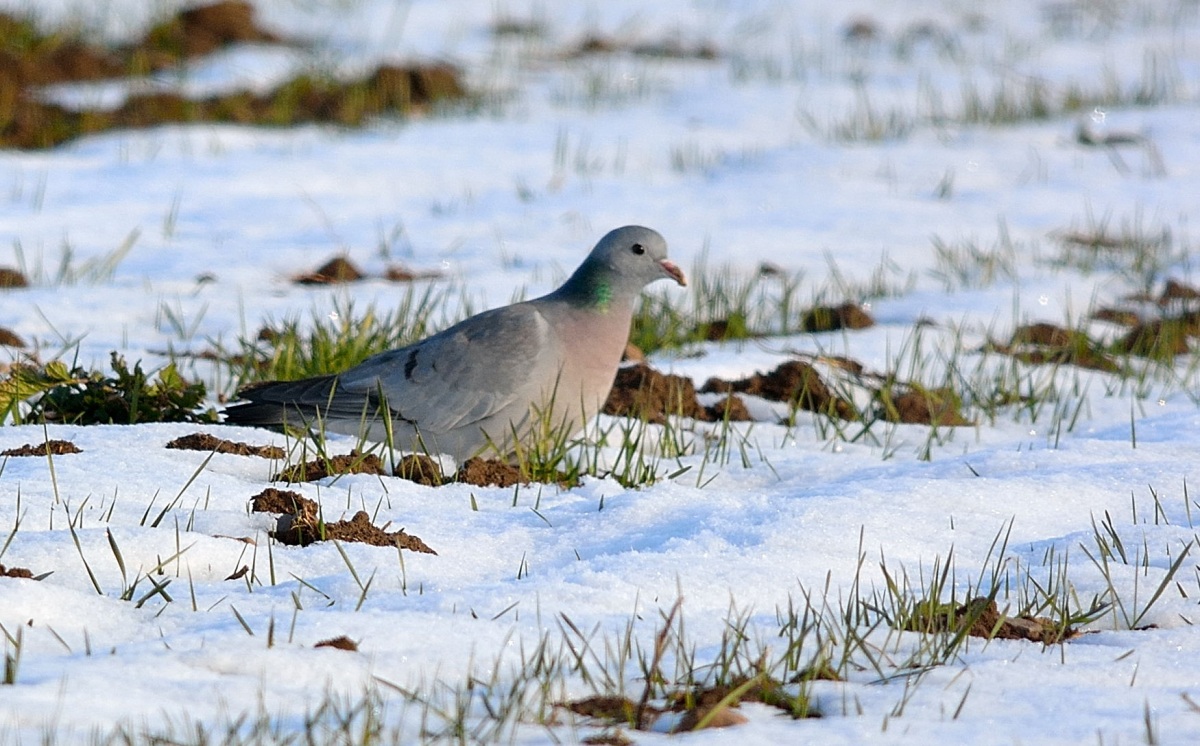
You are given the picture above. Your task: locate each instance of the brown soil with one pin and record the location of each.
(300, 524)
(50, 447)
(489, 472)
(633, 354)
(420, 469)
(937, 407)
(696, 705)
(210, 443)
(1160, 338)
(14, 572)
(11, 278)
(670, 48)
(1119, 316)
(612, 738)
(199, 31)
(832, 318)
(350, 463)
(642, 392)
(603, 708)
(9, 338)
(336, 270)
(991, 624)
(340, 642)
(731, 407)
(793, 381)
(1047, 343)
(272, 500)
(1175, 290)
(32, 59)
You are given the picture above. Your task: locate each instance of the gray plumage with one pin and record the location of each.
(473, 386)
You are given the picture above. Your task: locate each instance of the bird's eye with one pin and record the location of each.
(638, 249)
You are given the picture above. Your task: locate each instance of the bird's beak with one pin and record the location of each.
(673, 271)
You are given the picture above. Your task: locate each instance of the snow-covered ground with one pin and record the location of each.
(739, 160)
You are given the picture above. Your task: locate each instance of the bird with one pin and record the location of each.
(488, 381)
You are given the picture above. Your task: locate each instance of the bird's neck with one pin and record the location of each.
(592, 288)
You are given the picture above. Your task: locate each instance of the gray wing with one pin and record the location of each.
(464, 374)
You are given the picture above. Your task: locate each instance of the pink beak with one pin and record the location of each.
(673, 271)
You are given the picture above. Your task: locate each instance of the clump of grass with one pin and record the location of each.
(964, 263)
(1142, 253)
(332, 342)
(56, 393)
(71, 270)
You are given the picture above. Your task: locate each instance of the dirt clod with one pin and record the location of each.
(937, 407)
(1119, 316)
(11, 278)
(50, 447)
(350, 463)
(731, 407)
(832, 318)
(15, 572)
(1175, 290)
(9, 338)
(210, 443)
(489, 472)
(272, 500)
(990, 623)
(793, 381)
(202, 30)
(337, 270)
(420, 469)
(300, 524)
(609, 738)
(1044, 343)
(1160, 339)
(643, 392)
(341, 642)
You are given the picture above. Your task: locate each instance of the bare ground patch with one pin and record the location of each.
(210, 443)
(300, 524)
(49, 448)
(31, 59)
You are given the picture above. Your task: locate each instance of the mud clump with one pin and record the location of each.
(11, 278)
(49, 448)
(202, 30)
(489, 473)
(1177, 291)
(1118, 316)
(211, 443)
(730, 408)
(341, 642)
(711, 705)
(832, 318)
(1044, 343)
(350, 463)
(919, 406)
(15, 572)
(420, 469)
(795, 382)
(337, 270)
(990, 623)
(272, 500)
(643, 392)
(31, 59)
(594, 44)
(300, 524)
(1160, 339)
(9, 338)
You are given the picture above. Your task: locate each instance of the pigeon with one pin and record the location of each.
(487, 382)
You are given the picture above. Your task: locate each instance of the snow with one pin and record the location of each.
(735, 167)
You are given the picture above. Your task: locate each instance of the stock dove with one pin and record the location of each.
(478, 384)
